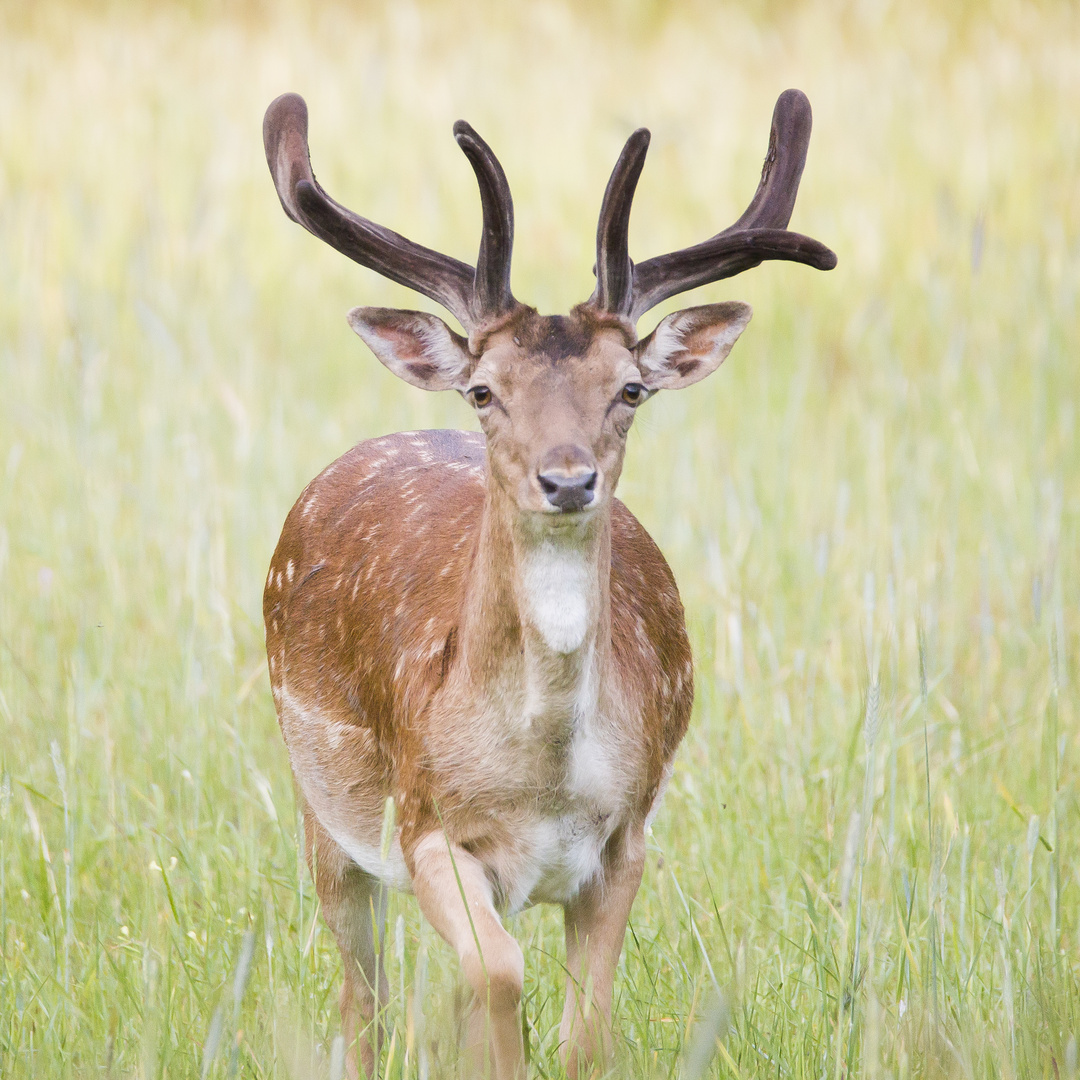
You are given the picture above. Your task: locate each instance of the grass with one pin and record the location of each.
(868, 862)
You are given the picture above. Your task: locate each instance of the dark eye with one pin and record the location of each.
(480, 395)
(633, 393)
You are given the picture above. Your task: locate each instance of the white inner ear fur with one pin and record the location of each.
(417, 347)
(688, 345)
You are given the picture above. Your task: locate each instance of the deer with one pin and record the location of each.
(472, 625)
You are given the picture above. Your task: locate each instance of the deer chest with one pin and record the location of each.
(554, 805)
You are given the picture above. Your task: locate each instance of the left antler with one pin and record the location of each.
(761, 233)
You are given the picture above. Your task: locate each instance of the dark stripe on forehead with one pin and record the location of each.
(558, 337)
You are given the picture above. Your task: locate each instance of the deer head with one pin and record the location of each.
(555, 395)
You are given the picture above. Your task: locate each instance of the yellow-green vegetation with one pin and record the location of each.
(868, 861)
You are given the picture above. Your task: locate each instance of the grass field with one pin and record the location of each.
(868, 863)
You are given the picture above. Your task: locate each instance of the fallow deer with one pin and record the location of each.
(472, 624)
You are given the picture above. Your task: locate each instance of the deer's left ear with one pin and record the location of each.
(690, 344)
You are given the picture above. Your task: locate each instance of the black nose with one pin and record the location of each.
(568, 491)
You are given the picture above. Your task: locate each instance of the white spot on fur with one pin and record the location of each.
(556, 582)
(585, 702)
(592, 771)
(392, 871)
(564, 854)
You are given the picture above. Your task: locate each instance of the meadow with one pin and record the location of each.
(868, 862)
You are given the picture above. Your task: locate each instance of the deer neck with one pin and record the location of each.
(538, 609)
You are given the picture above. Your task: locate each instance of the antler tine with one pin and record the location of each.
(723, 256)
(614, 270)
(759, 234)
(445, 280)
(492, 295)
(789, 138)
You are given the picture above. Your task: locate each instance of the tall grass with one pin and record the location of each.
(868, 859)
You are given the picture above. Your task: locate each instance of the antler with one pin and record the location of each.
(761, 233)
(614, 270)
(473, 296)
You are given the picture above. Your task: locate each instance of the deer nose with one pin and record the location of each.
(570, 487)
(567, 477)
(568, 491)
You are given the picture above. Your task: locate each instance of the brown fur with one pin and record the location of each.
(373, 653)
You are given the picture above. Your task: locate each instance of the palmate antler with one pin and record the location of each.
(473, 295)
(761, 233)
(477, 296)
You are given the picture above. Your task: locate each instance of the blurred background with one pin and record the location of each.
(868, 859)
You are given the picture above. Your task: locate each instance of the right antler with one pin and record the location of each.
(761, 233)
(473, 296)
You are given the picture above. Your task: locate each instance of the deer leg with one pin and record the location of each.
(595, 924)
(490, 958)
(353, 905)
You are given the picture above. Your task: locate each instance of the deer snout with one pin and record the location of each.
(567, 477)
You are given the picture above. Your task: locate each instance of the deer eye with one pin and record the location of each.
(633, 393)
(480, 396)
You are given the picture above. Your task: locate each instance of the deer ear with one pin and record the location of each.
(415, 346)
(688, 345)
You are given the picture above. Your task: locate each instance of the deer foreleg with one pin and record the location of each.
(455, 896)
(595, 923)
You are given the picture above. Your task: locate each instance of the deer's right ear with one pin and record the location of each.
(417, 347)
